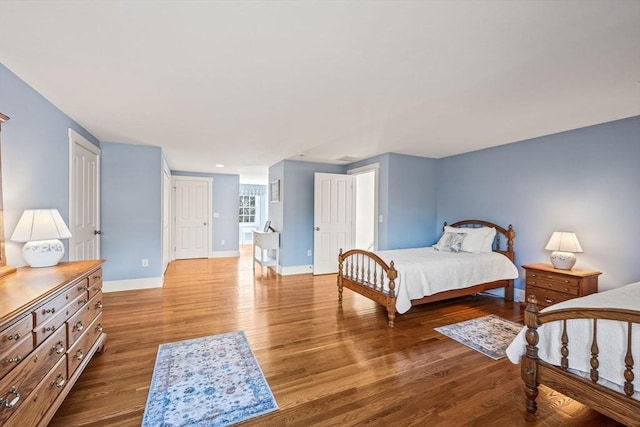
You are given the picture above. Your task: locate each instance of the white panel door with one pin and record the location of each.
(84, 187)
(332, 220)
(192, 217)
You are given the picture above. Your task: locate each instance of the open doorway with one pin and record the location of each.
(364, 211)
(365, 207)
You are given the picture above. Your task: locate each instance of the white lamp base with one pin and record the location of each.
(563, 260)
(43, 253)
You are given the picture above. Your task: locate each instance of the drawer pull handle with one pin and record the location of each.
(99, 327)
(83, 287)
(566, 289)
(78, 326)
(10, 403)
(15, 360)
(99, 305)
(549, 300)
(79, 355)
(49, 310)
(97, 276)
(82, 301)
(15, 337)
(59, 347)
(49, 329)
(59, 381)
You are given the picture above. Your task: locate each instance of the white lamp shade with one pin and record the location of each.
(563, 241)
(40, 224)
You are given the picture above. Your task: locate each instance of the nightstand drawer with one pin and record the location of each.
(540, 282)
(547, 297)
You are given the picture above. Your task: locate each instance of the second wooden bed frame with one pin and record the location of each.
(617, 405)
(367, 274)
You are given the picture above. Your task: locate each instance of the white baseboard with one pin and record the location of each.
(132, 284)
(224, 254)
(296, 269)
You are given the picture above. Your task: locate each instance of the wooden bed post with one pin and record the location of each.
(340, 259)
(529, 363)
(392, 275)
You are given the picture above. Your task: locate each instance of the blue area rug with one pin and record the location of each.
(490, 335)
(209, 381)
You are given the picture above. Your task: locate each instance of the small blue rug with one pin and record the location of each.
(209, 381)
(490, 335)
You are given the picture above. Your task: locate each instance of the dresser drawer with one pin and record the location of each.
(555, 278)
(43, 331)
(541, 282)
(95, 283)
(80, 349)
(53, 307)
(20, 330)
(547, 297)
(21, 381)
(15, 355)
(37, 403)
(16, 343)
(79, 322)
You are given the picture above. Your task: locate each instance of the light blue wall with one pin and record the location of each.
(131, 210)
(225, 202)
(411, 216)
(293, 215)
(276, 211)
(406, 199)
(35, 155)
(585, 180)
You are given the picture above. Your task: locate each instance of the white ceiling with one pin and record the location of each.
(249, 83)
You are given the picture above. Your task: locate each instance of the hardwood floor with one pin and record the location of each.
(325, 364)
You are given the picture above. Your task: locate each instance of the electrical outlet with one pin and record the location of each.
(222, 242)
(145, 262)
(309, 252)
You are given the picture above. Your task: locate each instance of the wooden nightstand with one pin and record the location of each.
(551, 286)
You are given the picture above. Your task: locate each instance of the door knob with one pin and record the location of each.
(97, 232)
(317, 228)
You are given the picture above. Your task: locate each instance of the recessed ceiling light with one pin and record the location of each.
(219, 165)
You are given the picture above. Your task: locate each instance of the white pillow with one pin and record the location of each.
(450, 242)
(477, 239)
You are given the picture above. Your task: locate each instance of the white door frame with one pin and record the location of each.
(364, 169)
(167, 200)
(209, 181)
(76, 138)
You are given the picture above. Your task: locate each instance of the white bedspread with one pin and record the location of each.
(425, 271)
(612, 337)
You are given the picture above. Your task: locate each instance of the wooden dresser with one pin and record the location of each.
(551, 286)
(50, 327)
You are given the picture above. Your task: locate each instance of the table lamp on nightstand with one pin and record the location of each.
(564, 246)
(41, 229)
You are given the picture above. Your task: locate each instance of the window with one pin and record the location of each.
(247, 209)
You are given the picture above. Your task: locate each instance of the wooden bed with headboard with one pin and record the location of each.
(367, 274)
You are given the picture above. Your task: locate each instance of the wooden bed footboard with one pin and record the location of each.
(617, 405)
(367, 274)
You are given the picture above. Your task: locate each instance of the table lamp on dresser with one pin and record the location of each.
(564, 245)
(41, 229)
